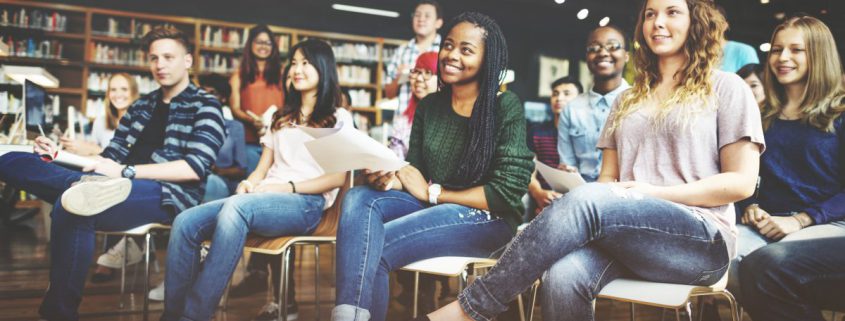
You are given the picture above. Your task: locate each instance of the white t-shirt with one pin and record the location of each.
(292, 161)
(100, 134)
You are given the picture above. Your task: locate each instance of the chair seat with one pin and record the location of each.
(139, 230)
(666, 295)
(277, 245)
(448, 265)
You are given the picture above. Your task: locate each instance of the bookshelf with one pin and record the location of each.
(82, 46)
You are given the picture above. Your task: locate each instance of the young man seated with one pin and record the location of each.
(154, 167)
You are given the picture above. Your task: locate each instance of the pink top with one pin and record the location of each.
(292, 161)
(678, 155)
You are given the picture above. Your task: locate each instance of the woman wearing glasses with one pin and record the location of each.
(256, 87)
(423, 81)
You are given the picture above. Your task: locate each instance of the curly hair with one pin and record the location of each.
(703, 52)
(823, 98)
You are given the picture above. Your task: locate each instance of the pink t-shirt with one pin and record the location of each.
(677, 154)
(292, 161)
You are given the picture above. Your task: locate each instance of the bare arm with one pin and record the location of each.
(472, 197)
(175, 171)
(609, 166)
(235, 99)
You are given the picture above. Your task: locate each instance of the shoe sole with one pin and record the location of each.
(91, 198)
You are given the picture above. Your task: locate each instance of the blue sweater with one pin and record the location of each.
(803, 170)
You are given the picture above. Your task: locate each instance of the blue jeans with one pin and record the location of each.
(794, 280)
(192, 292)
(72, 236)
(750, 240)
(253, 155)
(383, 231)
(592, 235)
(218, 187)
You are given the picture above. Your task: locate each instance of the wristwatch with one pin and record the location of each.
(128, 172)
(433, 193)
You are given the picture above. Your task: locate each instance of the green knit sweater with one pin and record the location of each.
(438, 137)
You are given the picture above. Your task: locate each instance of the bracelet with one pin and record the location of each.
(248, 183)
(292, 186)
(799, 221)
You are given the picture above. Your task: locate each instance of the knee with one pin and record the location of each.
(357, 203)
(234, 212)
(768, 262)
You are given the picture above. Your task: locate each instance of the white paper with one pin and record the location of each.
(345, 148)
(69, 159)
(5, 148)
(560, 181)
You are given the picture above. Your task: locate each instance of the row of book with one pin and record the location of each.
(33, 47)
(117, 55)
(33, 19)
(99, 82)
(122, 28)
(219, 63)
(354, 74)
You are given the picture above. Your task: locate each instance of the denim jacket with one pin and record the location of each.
(579, 128)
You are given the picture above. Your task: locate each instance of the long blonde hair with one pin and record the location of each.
(703, 52)
(112, 114)
(822, 101)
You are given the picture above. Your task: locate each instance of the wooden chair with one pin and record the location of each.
(325, 233)
(145, 231)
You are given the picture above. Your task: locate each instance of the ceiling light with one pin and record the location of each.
(604, 21)
(764, 1)
(364, 10)
(765, 47)
(780, 15)
(560, 1)
(37, 75)
(583, 14)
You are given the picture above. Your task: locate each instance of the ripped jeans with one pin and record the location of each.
(380, 232)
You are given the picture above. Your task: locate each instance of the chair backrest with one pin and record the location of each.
(331, 216)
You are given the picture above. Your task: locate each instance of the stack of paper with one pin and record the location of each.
(344, 149)
(561, 181)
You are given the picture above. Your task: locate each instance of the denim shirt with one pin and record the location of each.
(579, 128)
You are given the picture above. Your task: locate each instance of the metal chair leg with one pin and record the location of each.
(317, 279)
(534, 289)
(688, 308)
(736, 312)
(123, 275)
(283, 286)
(146, 276)
(416, 292)
(633, 312)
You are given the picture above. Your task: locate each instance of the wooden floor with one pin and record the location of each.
(24, 274)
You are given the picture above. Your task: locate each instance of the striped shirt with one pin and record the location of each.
(542, 140)
(407, 54)
(194, 133)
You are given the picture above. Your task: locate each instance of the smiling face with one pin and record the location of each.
(120, 95)
(262, 46)
(169, 62)
(422, 86)
(425, 20)
(666, 25)
(606, 55)
(304, 76)
(462, 54)
(788, 57)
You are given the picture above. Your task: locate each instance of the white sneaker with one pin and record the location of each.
(157, 294)
(114, 257)
(93, 196)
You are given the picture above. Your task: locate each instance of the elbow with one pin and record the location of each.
(744, 189)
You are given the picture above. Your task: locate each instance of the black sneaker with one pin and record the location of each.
(254, 282)
(270, 312)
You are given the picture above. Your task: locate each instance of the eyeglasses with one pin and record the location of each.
(262, 43)
(426, 74)
(610, 47)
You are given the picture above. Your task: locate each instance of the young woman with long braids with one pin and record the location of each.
(256, 87)
(678, 149)
(469, 142)
(285, 195)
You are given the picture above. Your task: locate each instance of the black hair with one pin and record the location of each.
(217, 81)
(437, 8)
(479, 149)
(617, 29)
(284, 81)
(319, 54)
(568, 80)
(749, 69)
(249, 67)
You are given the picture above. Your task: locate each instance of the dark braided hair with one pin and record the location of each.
(479, 150)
